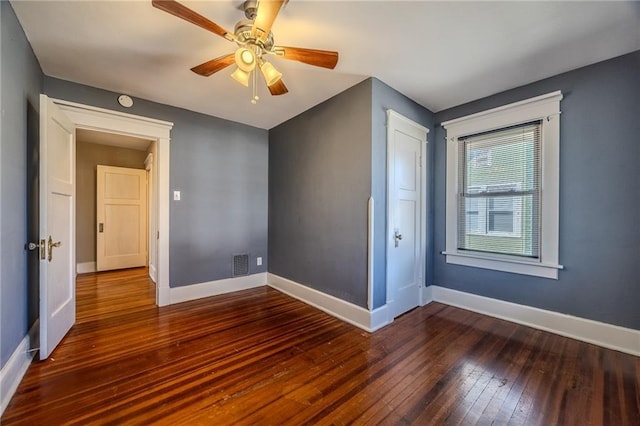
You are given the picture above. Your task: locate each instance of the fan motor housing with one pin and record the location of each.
(245, 35)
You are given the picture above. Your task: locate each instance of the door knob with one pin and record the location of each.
(42, 246)
(51, 245)
(397, 237)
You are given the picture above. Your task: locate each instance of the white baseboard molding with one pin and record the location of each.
(85, 267)
(214, 288)
(17, 365)
(360, 317)
(426, 295)
(152, 273)
(602, 334)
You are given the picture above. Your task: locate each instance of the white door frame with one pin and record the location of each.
(104, 120)
(391, 117)
(152, 235)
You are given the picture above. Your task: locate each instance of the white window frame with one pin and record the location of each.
(546, 108)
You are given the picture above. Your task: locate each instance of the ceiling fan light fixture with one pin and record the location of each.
(241, 76)
(245, 59)
(270, 73)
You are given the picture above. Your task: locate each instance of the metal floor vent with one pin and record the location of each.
(240, 265)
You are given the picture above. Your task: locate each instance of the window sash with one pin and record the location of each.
(515, 206)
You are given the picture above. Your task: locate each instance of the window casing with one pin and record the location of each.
(502, 188)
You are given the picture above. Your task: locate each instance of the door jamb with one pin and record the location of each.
(104, 120)
(398, 118)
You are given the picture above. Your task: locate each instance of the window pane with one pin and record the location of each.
(498, 175)
(501, 221)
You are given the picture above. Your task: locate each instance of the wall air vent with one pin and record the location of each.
(240, 265)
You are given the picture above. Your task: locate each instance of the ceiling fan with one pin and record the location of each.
(255, 40)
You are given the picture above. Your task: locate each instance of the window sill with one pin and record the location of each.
(504, 264)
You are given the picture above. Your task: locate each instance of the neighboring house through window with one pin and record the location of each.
(498, 162)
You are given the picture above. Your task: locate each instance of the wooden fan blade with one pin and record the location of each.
(213, 66)
(278, 88)
(265, 16)
(183, 12)
(319, 58)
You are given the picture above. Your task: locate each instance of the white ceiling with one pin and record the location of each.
(440, 54)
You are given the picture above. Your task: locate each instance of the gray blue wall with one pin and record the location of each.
(220, 167)
(599, 198)
(319, 186)
(21, 79)
(384, 98)
(323, 166)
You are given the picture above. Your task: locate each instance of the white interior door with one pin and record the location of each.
(57, 225)
(405, 258)
(121, 218)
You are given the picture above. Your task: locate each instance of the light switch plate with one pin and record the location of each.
(176, 195)
(259, 261)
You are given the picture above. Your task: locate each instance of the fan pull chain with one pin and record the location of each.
(254, 91)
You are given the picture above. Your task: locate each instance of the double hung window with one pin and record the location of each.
(498, 163)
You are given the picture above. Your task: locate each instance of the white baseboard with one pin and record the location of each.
(602, 334)
(152, 273)
(426, 295)
(348, 312)
(15, 368)
(85, 267)
(213, 288)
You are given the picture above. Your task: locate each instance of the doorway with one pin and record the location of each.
(98, 152)
(106, 121)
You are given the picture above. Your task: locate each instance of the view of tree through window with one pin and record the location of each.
(499, 191)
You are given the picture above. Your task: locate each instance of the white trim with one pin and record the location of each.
(534, 104)
(148, 162)
(355, 315)
(408, 121)
(85, 267)
(545, 108)
(94, 118)
(396, 121)
(15, 368)
(370, 252)
(136, 121)
(602, 334)
(152, 273)
(214, 288)
(426, 296)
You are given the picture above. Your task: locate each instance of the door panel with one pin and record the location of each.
(57, 224)
(123, 236)
(121, 217)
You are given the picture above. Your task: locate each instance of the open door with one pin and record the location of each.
(57, 224)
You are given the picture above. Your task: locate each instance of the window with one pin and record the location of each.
(498, 162)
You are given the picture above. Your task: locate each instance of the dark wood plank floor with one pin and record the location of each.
(260, 357)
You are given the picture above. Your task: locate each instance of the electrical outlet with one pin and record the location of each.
(259, 261)
(176, 195)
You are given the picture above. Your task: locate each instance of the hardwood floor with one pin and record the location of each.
(261, 357)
